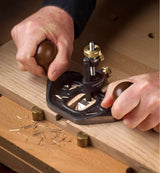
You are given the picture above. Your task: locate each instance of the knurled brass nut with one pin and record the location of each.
(82, 139)
(37, 113)
(93, 54)
(107, 71)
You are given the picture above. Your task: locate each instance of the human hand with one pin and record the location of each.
(50, 23)
(138, 105)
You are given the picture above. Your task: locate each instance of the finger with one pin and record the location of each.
(135, 117)
(61, 62)
(21, 66)
(14, 35)
(35, 69)
(157, 129)
(30, 64)
(108, 99)
(126, 102)
(26, 52)
(150, 122)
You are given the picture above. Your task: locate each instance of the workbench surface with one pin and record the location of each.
(29, 146)
(129, 50)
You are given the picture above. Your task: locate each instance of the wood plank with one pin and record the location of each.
(128, 51)
(25, 151)
(133, 147)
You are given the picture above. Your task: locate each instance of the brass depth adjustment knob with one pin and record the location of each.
(45, 54)
(93, 51)
(120, 88)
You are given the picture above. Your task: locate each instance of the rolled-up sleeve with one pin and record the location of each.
(79, 10)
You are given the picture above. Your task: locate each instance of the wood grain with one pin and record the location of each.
(25, 151)
(133, 147)
(128, 51)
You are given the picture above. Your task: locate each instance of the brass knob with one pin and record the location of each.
(37, 113)
(82, 139)
(107, 71)
(45, 54)
(96, 52)
(120, 88)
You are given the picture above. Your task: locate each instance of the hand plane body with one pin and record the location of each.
(78, 98)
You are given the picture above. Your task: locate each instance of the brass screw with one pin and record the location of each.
(82, 139)
(107, 71)
(37, 113)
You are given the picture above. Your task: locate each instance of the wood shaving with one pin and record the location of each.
(65, 97)
(55, 130)
(40, 141)
(14, 130)
(27, 126)
(43, 135)
(73, 87)
(61, 140)
(19, 117)
(59, 97)
(54, 141)
(42, 125)
(36, 132)
(55, 136)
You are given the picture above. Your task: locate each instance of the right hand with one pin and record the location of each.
(50, 23)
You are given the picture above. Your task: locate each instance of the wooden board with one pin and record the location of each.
(26, 146)
(133, 147)
(128, 51)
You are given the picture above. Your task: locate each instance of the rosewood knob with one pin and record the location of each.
(120, 88)
(45, 53)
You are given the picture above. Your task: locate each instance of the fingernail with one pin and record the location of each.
(103, 105)
(52, 76)
(118, 117)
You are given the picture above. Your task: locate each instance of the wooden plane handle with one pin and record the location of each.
(45, 53)
(120, 88)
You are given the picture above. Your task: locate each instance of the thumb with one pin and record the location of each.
(108, 99)
(61, 63)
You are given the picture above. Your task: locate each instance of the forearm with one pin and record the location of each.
(79, 10)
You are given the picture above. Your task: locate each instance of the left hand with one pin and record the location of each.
(138, 105)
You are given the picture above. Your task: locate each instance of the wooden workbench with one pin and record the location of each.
(128, 36)
(27, 146)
